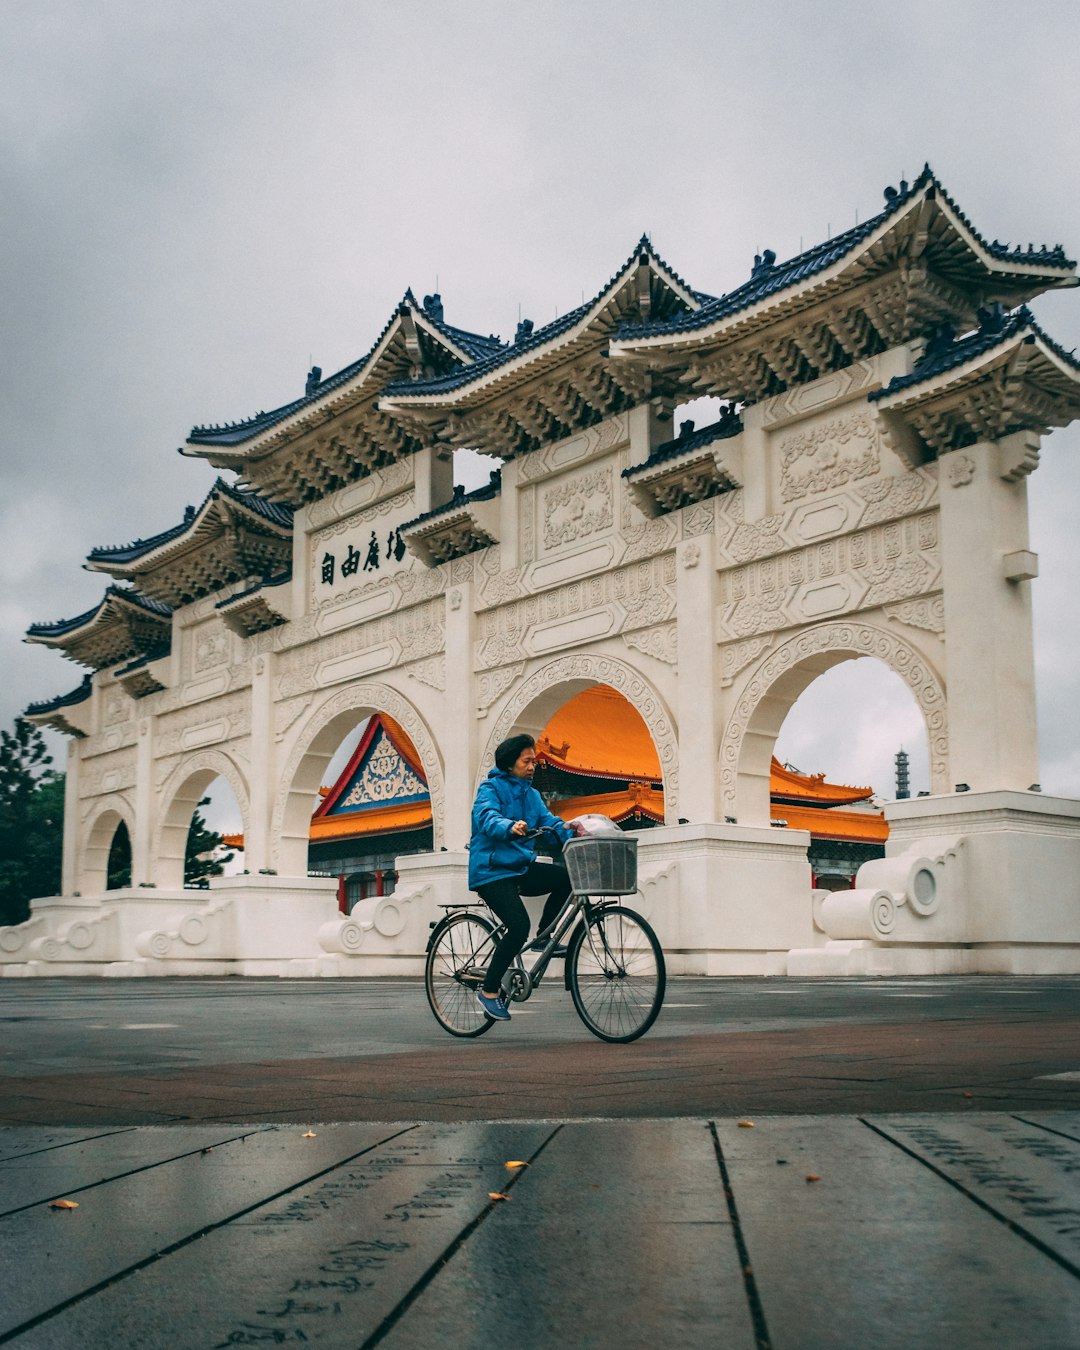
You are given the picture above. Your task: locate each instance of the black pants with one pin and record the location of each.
(503, 898)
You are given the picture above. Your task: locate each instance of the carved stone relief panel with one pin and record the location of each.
(637, 596)
(209, 646)
(108, 773)
(554, 458)
(204, 724)
(408, 634)
(828, 453)
(861, 570)
(661, 642)
(349, 500)
(576, 506)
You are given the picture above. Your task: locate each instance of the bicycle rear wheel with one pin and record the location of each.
(457, 959)
(616, 974)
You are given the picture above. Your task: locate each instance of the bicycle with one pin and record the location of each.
(615, 969)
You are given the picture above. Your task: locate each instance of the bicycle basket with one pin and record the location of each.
(602, 864)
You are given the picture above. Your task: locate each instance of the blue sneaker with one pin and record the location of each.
(495, 1007)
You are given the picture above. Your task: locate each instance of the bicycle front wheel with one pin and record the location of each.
(457, 960)
(616, 974)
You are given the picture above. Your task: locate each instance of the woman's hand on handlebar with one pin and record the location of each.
(520, 830)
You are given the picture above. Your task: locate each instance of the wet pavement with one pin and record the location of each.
(778, 1163)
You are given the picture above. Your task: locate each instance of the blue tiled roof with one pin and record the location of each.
(259, 506)
(769, 277)
(539, 337)
(62, 626)
(48, 705)
(487, 493)
(944, 352)
(729, 425)
(235, 433)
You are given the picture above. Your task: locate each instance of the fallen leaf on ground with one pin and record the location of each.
(746, 1124)
(497, 1195)
(511, 1165)
(811, 1177)
(63, 1204)
(310, 1135)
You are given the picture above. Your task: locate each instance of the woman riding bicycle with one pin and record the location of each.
(502, 861)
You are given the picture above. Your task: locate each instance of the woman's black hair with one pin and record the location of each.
(508, 751)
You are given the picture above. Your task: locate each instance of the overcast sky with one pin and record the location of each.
(202, 199)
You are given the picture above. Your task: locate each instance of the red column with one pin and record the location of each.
(378, 881)
(342, 896)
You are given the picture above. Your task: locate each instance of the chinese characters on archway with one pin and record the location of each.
(373, 555)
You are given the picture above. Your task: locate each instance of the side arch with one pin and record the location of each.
(180, 795)
(104, 817)
(778, 680)
(324, 729)
(534, 702)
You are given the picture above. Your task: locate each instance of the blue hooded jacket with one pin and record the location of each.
(494, 852)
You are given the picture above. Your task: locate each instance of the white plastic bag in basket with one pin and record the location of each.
(593, 824)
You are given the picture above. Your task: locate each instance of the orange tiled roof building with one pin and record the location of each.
(595, 755)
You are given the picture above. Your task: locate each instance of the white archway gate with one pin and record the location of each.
(862, 492)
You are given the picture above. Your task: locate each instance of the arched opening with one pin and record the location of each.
(93, 878)
(215, 841)
(209, 782)
(837, 750)
(118, 867)
(535, 705)
(595, 756)
(374, 807)
(771, 689)
(376, 759)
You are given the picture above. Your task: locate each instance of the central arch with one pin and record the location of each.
(320, 737)
(533, 703)
(779, 679)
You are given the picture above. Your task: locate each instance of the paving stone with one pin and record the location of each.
(37, 1177)
(881, 1251)
(323, 1266)
(123, 1222)
(20, 1141)
(619, 1236)
(1023, 1172)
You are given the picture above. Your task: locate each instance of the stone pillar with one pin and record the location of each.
(755, 463)
(509, 553)
(458, 739)
(263, 778)
(698, 683)
(142, 859)
(434, 468)
(72, 864)
(986, 579)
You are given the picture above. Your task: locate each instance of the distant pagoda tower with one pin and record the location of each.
(903, 789)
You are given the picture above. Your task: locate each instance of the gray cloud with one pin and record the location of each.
(203, 198)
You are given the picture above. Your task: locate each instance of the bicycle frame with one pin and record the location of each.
(575, 907)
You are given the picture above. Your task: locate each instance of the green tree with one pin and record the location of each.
(201, 842)
(118, 868)
(31, 821)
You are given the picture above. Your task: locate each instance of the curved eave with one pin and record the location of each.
(202, 530)
(541, 356)
(852, 267)
(66, 631)
(233, 447)
(1056, 370)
